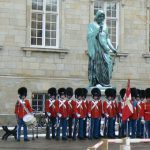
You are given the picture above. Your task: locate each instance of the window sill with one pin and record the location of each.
(122, 56)
(61, 52)
(146, 55)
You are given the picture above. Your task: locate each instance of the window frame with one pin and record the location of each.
(44, 12)
(44, 97)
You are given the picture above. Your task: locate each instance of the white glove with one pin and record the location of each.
(59, 115)
(106, 115)
(89, 115)
(78, 115)
(142, 121)
(83, 118)
(120, 114)
(49, 114)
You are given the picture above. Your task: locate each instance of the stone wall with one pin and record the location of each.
(40, 70)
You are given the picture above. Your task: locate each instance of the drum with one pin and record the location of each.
(29, 120)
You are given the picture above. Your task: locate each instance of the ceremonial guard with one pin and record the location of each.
(51, 112)
(109, 112)
(71, 104)
(133, 118)
(21, 109)
(63, 114)
(84, 95)
(146, 114)
(115, 109)
(122, 124)
(139, 131)
(95, 113)
(142, 98)
(80, 114)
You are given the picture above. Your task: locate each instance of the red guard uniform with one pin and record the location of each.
(145, 112)
(109, 109)
(95, 109)
(19, 109)
(50, 107)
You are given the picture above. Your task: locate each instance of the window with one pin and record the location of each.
(111, 10)
(45, 23)
(38, 101)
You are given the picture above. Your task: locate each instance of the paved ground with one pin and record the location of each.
(43, 144)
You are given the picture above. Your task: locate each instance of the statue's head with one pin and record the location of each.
(100, 16)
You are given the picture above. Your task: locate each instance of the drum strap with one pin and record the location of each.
(25, 108)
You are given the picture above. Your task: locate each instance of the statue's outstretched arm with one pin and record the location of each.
(111, 46)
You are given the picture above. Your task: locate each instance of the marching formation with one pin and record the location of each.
(94, 117)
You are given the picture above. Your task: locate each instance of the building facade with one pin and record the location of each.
(43, 44)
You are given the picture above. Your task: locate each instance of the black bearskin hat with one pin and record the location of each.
(110, 92)
(142, 94)
(52, 91)
(147, 93)
(62, 91)
(138, 93)
(22, 91)
(133, 92)
(69, 91)
(84, 92)
(96, 92)
(122, 92)
(78, 92)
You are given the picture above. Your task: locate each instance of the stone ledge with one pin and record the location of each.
(146, 55)
(61, 52)
(120, 54)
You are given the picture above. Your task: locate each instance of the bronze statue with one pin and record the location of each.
(99, 47)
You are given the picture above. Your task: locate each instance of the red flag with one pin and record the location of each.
(127, 111)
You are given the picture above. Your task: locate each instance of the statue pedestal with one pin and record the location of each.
(102, 89)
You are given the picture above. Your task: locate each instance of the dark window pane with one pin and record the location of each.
(47, 42)
(53, 26)
(33, 16)
(40, 4)
(35, 96)
(53, 34)
(39, 25)
(33, 33)
(39, 33)
(33, 41)
(33, 24)
(39, 17)
(47, 34)
(47, 26)
(113, 13)
(40, 96)
(53, 42)
(53, 18)
(40, 102)
(39, 41)
(47, 17)
(34, 4)
(34, 102)
(54, 8)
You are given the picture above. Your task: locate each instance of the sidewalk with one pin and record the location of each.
(42, 144)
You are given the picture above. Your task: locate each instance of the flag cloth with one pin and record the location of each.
(127, 110)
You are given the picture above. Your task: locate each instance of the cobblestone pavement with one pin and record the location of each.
(43, 144)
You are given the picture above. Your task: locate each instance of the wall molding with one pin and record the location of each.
(60, 51)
